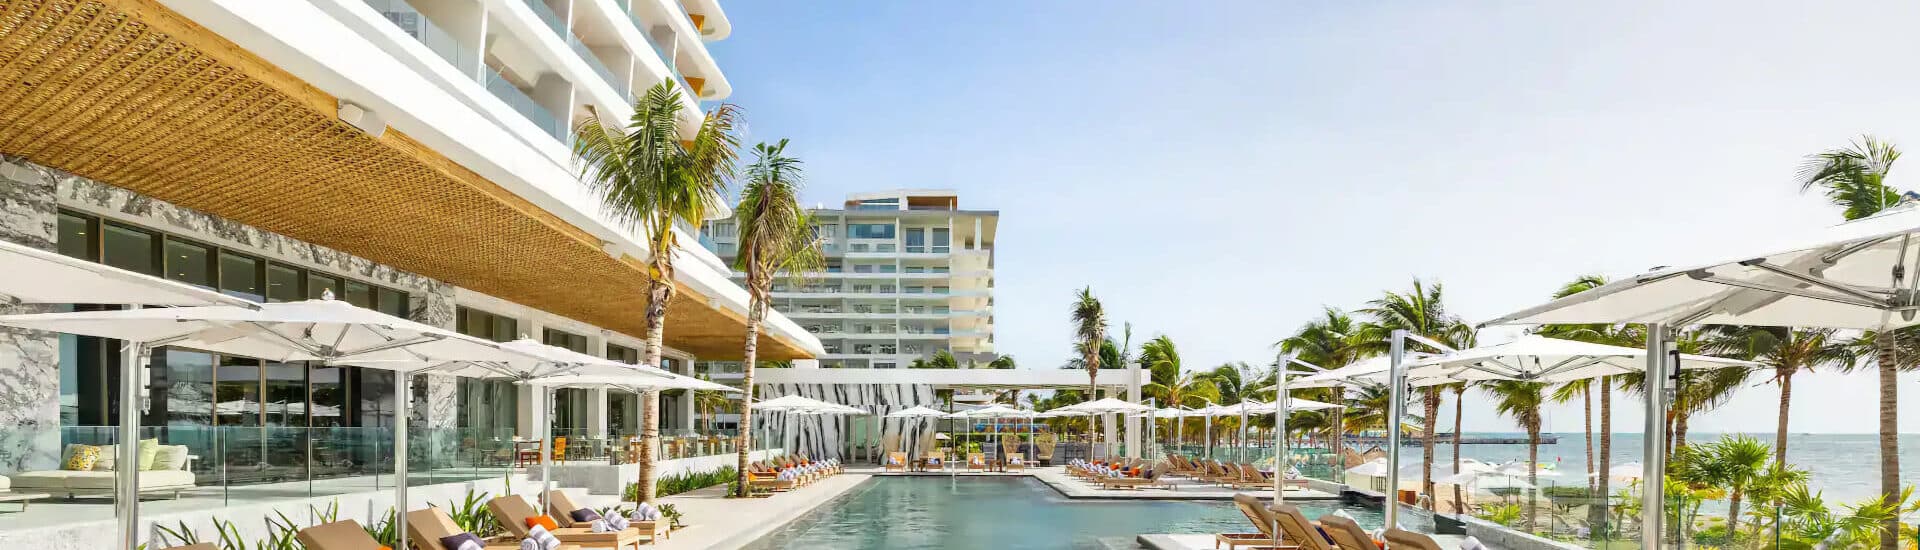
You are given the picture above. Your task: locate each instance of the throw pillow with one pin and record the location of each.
(462, 541)
(542, 521)
(108, 455)
(148, 448)
(170, 457)
(83, 458)
(584, 515)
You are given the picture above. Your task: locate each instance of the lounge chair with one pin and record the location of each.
(1346, 534)
(512, 513)
(976, 461)
(1016, 462)
(1295, 528)
(769, 482)
(339, 535)
(1256, 514)
(561, 507)
(934, 461)
(427, 526)
(896, 462)
(1250, 478)
(1409, 540)
(1151, 481)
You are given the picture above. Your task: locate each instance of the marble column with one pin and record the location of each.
(439, 410)
(29, 360)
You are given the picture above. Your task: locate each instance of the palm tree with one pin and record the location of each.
(1522, 400)
(1854, 178)
(776, 236)
(1615, 335)
(1582, 389)
(648, 177)
(1089, 333)
(1001, 362)
(1170, 384)
(1736, 463)
(941, 359)
(1334, 340)
(1788, 351)
(1421, 312)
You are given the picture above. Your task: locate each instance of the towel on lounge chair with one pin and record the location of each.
(646, 512)
(541, 539)
(617, 523)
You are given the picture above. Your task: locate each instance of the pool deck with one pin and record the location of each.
(721, 523)
(1205, 542)
(1184, 489)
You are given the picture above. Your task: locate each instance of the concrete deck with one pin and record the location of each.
(721, 523)
(1184, 489)
(1205, 542)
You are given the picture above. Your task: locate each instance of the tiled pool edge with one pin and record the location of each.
(1067, 487)
(747, 530)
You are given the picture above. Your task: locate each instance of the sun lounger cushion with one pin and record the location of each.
(542, 521)
(584, 515)
(462, 541)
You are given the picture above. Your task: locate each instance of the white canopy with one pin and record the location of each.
(1106, 406)
(308, 330)
(1541, 359)
(794, 403)
(1839, 277)
(639, 381)
(40, 277)
(1370, 371)
(995, 411)
(1521, 469)
(917, 412)
(1373, 468)
(1293, 404)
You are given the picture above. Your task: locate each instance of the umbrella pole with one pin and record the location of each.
(1396, 407)
(126, 488)
(402, 398)
(546, 449)
(1280, 402)
(1652, 492)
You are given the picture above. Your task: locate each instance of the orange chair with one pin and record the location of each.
(560, 449)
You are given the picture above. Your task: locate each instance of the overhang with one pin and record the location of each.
(130, 93)
(993, 379)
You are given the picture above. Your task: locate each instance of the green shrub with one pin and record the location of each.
(681, 483)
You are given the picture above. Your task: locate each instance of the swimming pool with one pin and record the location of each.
(912, 512)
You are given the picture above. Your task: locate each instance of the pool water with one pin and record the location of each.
(908, 512)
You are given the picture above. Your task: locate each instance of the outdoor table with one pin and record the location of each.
(521, 447)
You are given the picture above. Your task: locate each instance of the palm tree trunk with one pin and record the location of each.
(1889, 434)
(1597, 513)
(1587, 412)
(1533, 475)
(659, 293)
(1426, 444)
(755, 315)
(1459, 402)
(1780, 427)
(1733, 514)
(1680, 429)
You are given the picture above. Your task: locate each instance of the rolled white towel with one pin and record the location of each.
(600, 526)
(617, 523)
(646, 512)
(529, 544)
(1471, 543)
(545, 539)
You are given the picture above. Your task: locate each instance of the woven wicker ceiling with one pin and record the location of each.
(130, 93)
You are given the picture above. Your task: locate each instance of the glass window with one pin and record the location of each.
(942, 240)
(505, 328)
(283, 284)
(76, 237)
(567, 340)
(916, 240)
(863, 268)
(318, 285)
(360, 294)
(130, 249)
(237, 396)
(286, 395)
(623, 413)
(394, 302)
(480, 324)
(189, 263)
(889, 268)
(870, 230)
(623, 354)
(188, 387)
(488, 408)
(329, 390)
(240, 277)
(375, 396)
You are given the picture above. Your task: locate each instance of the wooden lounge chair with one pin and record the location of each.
(896, 462)
(1409, 540)
(425, 528)
(339, 535)
(1295, 528)
(929, 462)
(1249, 506)
(561, 507)
(1151, 481)
(1346, 534)
(1016, 463)
(512, 512)
(976, 461)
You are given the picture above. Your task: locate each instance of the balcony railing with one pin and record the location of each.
(520, 101)
(619, 86)
(417, 25)
(553, 20)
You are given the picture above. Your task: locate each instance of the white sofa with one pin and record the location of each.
(99, 481)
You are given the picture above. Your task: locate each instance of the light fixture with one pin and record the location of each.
(359, 117)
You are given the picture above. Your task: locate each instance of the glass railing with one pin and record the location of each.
(553, 20)
(417, 25)
(593, 60)
(520, 101)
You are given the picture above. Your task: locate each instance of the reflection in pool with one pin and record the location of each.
(1002, 512)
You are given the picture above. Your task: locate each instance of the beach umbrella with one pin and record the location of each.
(37, 276)
(1631, 471)
(325, 330)
(916, 411)
(1104, 407)
(1372, 468)
(1856, 275)
(1535, 358)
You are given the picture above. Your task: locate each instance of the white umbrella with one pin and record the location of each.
(1365, 372)
(1518, 468)
(1372, 468)
(1535, 358)
(37, 276)
(1101, 407)
(1631, 471)
(311, 330)
(1855, 275)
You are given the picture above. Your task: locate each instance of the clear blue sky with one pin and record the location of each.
(1217, 171)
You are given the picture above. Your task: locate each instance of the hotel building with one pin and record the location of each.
(410, 156)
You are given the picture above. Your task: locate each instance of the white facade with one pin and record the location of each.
(908, 274)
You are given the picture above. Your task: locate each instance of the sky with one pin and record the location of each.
(1217, 172)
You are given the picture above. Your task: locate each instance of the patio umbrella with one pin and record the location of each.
(1372, 468)
(1856, 275)
(1535, 358)
(1103, 407)
(311, 330)
(916, 411)
(37, 276)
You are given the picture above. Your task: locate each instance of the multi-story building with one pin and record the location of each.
(909, 274)
(411, 156)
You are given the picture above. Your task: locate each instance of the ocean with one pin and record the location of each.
(1845, 467)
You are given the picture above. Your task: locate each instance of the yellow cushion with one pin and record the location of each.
(148, 449)
(83, 458)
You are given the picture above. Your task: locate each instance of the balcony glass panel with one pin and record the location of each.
(547, 16)
(619, 86)
(422, 29)
(539, 116)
